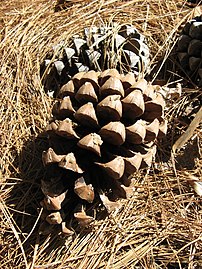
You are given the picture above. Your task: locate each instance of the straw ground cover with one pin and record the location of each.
(160, 226)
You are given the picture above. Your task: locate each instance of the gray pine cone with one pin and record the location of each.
(114, 46)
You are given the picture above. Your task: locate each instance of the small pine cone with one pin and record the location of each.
(104, 128)
(189, 50)
(114, 46)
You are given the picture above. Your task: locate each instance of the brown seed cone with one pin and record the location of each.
(45, 228)
(91, 77)
(149, 93)
(125, 180)
(53, 203)
(52, 189)
(52, 127)
(128, 191)
(138, 85)
(77, 79)
(105, 75)
(122, 191)
(103, 131)
(65, 230)
(162, 129)
(148, 157)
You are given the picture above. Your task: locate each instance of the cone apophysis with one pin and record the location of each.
(103, 129)
(189, 50)
(109, 46)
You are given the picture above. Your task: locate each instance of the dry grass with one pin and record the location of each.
(160, 227)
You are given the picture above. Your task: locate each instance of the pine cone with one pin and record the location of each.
(189, 49)
(114, 46)
(193, 3)
(104, 128)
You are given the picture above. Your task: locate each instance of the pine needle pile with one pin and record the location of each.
(159, 225)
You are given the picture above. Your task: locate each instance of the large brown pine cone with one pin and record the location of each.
(104, 128)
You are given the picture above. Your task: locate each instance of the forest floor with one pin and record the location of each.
(160, 226)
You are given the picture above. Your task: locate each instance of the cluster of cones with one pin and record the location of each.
(104, 128)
